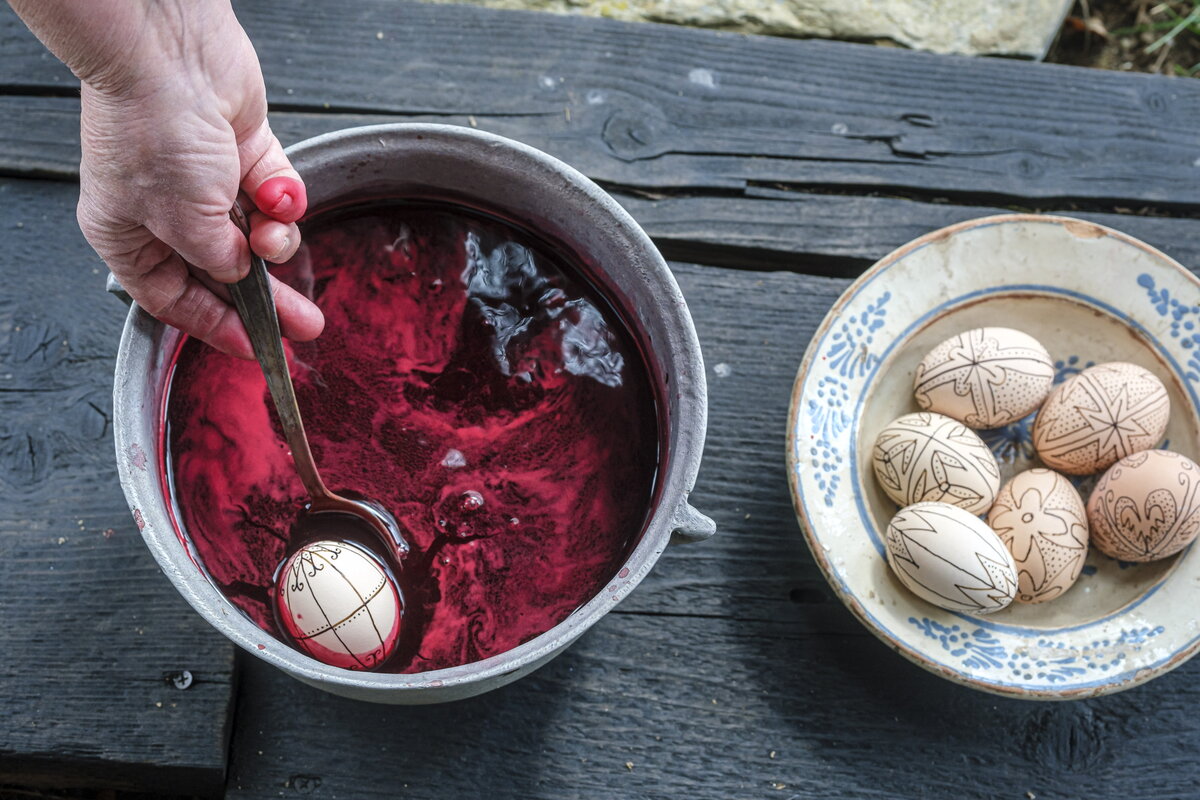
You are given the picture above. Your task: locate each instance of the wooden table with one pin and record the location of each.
(770, 173)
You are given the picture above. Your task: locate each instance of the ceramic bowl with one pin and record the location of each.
(1089, 294)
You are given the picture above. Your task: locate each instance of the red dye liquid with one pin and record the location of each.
(469, 381)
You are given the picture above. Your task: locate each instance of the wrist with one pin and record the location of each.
(127, 47)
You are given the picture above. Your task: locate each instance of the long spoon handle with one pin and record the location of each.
(256, 307)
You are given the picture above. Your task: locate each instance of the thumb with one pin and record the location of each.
(269, 177)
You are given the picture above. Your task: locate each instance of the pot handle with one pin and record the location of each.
(691, 525)
(112, 286)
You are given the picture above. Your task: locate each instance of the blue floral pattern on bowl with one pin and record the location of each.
(1087, 272)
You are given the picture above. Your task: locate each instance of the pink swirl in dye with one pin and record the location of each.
(468, 380)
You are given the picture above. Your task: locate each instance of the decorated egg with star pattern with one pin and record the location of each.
(985, 378)
(1100, 416)
(927, 457)
(1041, 520)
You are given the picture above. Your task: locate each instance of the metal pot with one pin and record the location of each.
(510, 180)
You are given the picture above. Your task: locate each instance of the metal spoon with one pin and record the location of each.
(256, 307)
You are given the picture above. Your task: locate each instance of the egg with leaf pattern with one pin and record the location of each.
(951, 558)
(1146, 507)
(926, 457)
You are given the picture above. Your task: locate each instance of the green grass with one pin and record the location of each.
(1174, 25)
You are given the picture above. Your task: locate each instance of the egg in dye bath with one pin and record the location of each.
(472, 382)
(338, 604)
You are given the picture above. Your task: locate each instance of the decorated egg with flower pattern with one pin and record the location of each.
(927, 457)
(949, 557)
(985, 378)
(1146, 507)
(1041, 520)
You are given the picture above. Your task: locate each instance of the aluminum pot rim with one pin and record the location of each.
(673, 515)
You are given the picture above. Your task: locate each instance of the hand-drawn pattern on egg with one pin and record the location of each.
(985, 378)
(1146, 507)
(1041, 520)
(1101, 415)
(926, 457)
(338, 605)
(950, 558)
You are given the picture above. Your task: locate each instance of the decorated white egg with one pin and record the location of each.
(1041, 520)
(1099, 416)
(949, 557)
(1146, 507)
(927, 457)
(985, 378)
(338, 604)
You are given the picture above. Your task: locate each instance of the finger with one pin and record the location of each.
(208, 241)
(161, 283)
(283, 197)
(269, 177)
(299, 318)
(273, 240)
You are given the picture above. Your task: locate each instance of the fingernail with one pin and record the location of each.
(283, 198)
(283, 248)
(284, 203)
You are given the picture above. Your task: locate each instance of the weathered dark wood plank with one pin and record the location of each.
(660, 106)
(754, 684)
(763, 228)
(646, 707)
(90, 630)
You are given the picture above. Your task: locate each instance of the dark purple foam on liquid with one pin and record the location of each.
(469, 381)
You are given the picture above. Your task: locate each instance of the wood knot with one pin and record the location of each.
(304, 784)
(1156, 102)
(631, 135)
(1067, 737)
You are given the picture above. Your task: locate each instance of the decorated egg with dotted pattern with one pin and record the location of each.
(1041, 520)
(1099, 416)
(985, 378)
(338, 604)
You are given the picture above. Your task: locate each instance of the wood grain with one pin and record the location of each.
(659, 106)
(732, 671)
(644, 707)
(759, 228)
(91, 632)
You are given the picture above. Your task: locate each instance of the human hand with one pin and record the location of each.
(173, 124)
